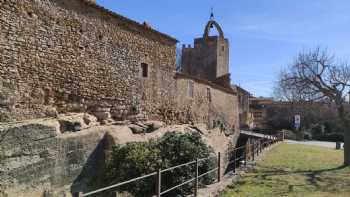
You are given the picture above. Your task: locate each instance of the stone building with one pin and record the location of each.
(205, 68)
(208, 102)
(258, 113)
(75, 55)
(243, 105)
(58, 57)
(209, 58)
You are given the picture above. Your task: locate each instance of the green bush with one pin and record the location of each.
(140, 158)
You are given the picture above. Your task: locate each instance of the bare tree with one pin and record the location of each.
(318, 76)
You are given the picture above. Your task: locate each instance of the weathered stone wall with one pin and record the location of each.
(243, 105)
(201, 60)
(39, 159)
(220, 108)
(71, 55)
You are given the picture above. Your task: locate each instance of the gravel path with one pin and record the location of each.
(314, 143)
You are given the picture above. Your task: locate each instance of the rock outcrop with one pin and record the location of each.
(60, 156)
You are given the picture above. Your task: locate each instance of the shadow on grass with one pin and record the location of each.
(315, 180)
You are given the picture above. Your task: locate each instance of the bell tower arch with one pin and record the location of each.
(209, 26)
(209, 58)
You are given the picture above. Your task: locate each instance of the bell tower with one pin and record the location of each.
(209, 58)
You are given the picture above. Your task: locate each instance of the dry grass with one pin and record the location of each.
(295, 170)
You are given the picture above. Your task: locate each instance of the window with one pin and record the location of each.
(221, 53)
(144, 69)
(209, 95)
(190, 87)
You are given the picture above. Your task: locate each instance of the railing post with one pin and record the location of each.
(263, 146)
(196, 180)
(253, 151)
(158, 182)
(245, 156)
(219, 166)
(235, 160)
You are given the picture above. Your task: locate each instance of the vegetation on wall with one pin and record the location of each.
(141, 158)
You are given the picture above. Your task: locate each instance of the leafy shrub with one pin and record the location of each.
(177, 149)
(131, 161)
(140, 158)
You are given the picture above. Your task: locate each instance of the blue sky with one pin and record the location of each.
(265, 35)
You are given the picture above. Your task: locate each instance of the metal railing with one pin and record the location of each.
(235, 159)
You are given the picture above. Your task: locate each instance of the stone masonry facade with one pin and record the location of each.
(64, 56)
(71, 55)
(207, 102)
(75, 56)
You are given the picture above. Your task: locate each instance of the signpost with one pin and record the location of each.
(297, 125)
(297, 122)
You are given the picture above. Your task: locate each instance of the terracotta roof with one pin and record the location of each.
(127, 20)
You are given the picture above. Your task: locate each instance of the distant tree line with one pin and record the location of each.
(318, 119)
(317, 76)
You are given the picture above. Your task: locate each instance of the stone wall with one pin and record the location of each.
(210, 104)
(59, 56)
(69, 55)
(39, 159)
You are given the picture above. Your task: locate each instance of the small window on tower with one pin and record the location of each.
(144, 69)
(223, 48)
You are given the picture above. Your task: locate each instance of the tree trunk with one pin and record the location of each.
(347, 147)
(346, 126)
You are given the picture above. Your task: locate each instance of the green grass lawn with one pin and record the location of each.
(295, 170)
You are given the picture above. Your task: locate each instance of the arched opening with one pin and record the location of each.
(209, 26)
